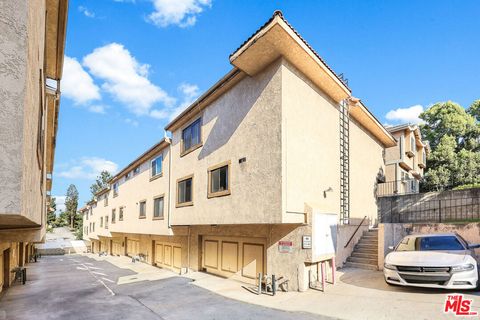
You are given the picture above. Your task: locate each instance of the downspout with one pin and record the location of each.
(188, 250)
(169, 182)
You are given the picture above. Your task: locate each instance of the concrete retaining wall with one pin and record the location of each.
(458, 205)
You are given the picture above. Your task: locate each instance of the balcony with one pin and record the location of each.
(397, 187)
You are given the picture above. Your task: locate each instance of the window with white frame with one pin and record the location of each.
(156, 166)
(115, 189)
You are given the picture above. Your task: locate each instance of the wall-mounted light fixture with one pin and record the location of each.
(325, 191)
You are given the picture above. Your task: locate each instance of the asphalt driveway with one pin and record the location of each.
(78, 287)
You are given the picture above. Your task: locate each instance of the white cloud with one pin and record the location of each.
(188, 94)
(77, 84)
(86, 12)
(88, 168)
(407, 115)
(132, 122)
(60, 202)
(98, 108)
(125, 78)
(177, 12)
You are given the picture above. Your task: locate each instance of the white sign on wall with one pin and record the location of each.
(307, 242)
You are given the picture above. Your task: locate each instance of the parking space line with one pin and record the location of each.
(103, 278)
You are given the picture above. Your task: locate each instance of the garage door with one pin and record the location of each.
(240, 258)
(168, 255)
(133, 247)
(117, 248)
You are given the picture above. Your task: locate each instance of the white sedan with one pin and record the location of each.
(432, 260)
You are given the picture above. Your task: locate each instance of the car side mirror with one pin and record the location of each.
(391, 247)
(474, 246)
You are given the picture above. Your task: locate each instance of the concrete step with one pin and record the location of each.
(360, 266)
(366, 246)
(365, 255)
(370, 236)
(363, 240)
(366, 251)
(371, 261)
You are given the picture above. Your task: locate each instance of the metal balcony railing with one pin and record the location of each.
(397, 187)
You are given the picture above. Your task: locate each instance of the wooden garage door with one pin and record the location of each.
(252, 261)
(240, 258)
(117, 248)
(133, 247)
(159, 253)
(168, 255)
(211, 254)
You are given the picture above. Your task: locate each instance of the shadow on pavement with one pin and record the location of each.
(374, 280)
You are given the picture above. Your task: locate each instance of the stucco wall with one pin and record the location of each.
(136, 189)
(244, 122)
(21, 63)
(13, 64)
(311, 152)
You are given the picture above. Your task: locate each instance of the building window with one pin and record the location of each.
(114, 213)
(136, 171)
(142, 209)
(105, 200)
(158, 208)
(120, 213)
(219, 180)
(412, 144)
(106, 222)
(191, 136)
(101, 222)
(184, 191)
(93, 227)
(91, 212)
(86, 216)
(115, 189)
(128, 176)
(157, 166)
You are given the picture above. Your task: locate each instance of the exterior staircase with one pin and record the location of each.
(365, 252)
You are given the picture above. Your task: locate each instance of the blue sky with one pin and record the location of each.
(131, 65)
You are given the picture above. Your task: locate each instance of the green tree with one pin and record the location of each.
(449, 118)
(454, 137)
(100, 183)
(51, 214)
(79, 226)
(71, 204)
(441, 164)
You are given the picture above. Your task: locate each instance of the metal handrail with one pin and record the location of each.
(358, 227)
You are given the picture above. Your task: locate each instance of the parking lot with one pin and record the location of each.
(93, 287)
(78, 287)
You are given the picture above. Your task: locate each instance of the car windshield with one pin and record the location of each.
(446, 243)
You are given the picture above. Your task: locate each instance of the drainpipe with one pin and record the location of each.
(169, 181)
(188, 250)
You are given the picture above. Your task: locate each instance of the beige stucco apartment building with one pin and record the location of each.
(262, 173)
(31, 51)
(405, 162)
